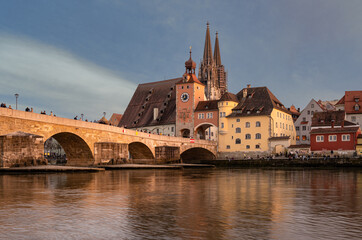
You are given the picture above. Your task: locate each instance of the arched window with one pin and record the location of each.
(258, 136)
(238, 130)
(237, 141)
(247, 124)
(247, 136)
(257, 124)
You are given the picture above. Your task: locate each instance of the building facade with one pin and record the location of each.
(253, 122)
(332, 134)
(304, 121)
(351, 104)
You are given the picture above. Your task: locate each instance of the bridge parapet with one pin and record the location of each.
(95, 126)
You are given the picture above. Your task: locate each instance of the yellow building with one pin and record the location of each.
(359, 145)
(253, 123)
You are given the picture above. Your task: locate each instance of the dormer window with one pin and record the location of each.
(356, 107)
(356, 99)
(248, 112)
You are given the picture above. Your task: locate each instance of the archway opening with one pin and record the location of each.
(76, 150)
(185, 133)
(206, 131)
(54, 152)
(194, 155)
(140, 153)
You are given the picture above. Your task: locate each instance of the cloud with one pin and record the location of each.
(49, 78)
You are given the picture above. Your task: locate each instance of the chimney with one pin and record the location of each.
(248, 86)
(155, 113)
(332, 123)
(342, 124)
(245, 93)
(298, 109)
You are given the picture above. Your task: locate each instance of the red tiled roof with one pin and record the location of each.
(326, 118)
(341, 101)
(115, 119)
(207, 105)
(334, 130)
(229, 97)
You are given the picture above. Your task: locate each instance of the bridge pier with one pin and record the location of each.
(20, 149)
(110, 152)
(166, 154)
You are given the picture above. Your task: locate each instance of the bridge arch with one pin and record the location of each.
(201, 131)
(197, 153)
(76, 149)
(139, 152)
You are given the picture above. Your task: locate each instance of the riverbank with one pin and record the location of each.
(284, 162)
(49, 169)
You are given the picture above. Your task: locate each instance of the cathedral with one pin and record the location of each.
(211, 72)
(185, 106)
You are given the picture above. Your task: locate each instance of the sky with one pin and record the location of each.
(87, 57)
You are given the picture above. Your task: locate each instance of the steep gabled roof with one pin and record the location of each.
(259, 101)
(229, 97)
(115, 119)
(326, 118)
(147, 97)
(341, 101)
(207, 105)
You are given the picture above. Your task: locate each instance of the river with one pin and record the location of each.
(183, 204)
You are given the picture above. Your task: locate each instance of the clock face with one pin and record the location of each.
(185, 97)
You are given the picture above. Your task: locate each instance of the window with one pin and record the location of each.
(356, 107)
(188, 86)
(257, 146)
(212, 134)
(247, 124)
(280, 125)
(209, 115)
(227, 146)
(298, 137)
(232, 125)
(277, 114)
(222, 125)
(346, 137)
(221, 114)
(226, 103)
(312, 105)
(247, 146)
(257, 124)
(238, 120)
(237, 141)
(238, 130)
(276, 125)
(201, 116)
(353, 118)
(304, 119)
(258, 136)
(356, 99)
(247, 136)
(304, 128)
(172, 129)
(332, 138)
(320, 138)
(308, 112)
(312, 112)
(207, 133)
(304, 137)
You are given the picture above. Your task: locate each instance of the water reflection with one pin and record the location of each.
(189, 204)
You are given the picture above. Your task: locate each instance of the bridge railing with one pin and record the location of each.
(6, 112)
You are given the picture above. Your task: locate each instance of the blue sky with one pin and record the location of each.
(87, 56)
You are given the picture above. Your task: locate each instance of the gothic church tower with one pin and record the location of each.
(211, 72)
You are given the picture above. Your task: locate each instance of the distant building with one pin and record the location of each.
(253, 122)
(295, 112)
(332, 134)
(359, 145)
(351, 104)
(304, 121)
(211, 72)
(115, 119)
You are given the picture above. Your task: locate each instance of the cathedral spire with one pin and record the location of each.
(207, 50)
(217, 58)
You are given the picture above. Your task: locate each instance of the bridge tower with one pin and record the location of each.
(189, 91)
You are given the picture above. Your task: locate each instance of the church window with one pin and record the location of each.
(247, 124)
(237, 130)
(237, 141)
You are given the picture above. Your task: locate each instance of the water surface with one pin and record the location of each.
(188, 204)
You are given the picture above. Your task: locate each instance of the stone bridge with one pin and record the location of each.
(87, 143)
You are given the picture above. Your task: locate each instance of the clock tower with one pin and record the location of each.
(189, 91)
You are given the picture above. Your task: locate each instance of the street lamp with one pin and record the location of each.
(16, 96)
(82, 116)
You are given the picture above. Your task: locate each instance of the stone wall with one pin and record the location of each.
(110, 153)
(167, 154)
(21, 149)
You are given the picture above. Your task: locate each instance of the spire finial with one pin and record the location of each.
(190, 51)
(207, 23)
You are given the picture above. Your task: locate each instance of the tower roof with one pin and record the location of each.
(189, 64)
(207, 49)
(217, 58)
